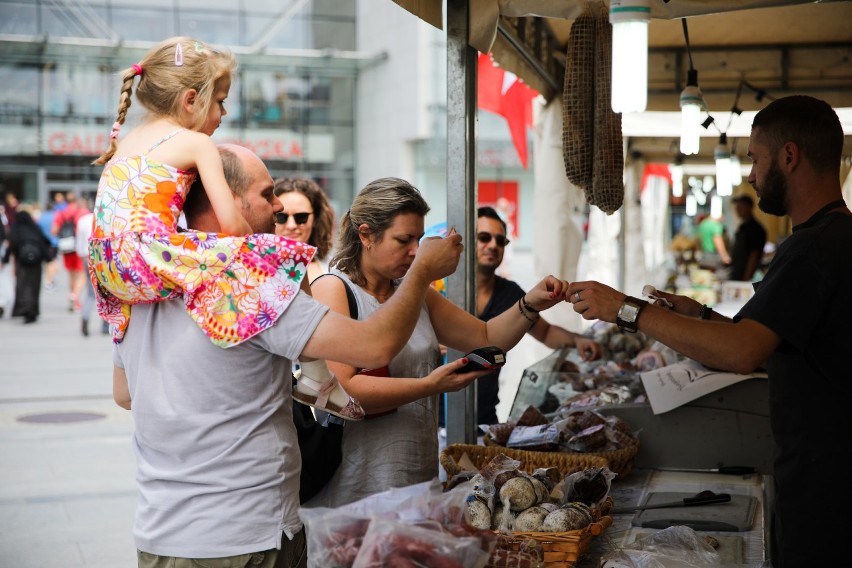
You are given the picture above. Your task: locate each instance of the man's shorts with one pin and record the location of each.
(73, 262)
(293, 554)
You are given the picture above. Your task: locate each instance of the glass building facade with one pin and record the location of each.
(292, 100)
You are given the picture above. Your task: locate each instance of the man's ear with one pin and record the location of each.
(791, 156)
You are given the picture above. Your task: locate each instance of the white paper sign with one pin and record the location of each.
(675, 385)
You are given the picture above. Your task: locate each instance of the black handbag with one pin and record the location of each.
(320, 446)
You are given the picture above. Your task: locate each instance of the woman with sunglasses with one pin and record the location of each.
(397, 443)
(306, 217)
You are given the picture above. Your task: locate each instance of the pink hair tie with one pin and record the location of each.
(137, 69)
(116, 127)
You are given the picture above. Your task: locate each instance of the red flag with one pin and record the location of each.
(489, 89)
(517, 109)
(515, 105)
(661, 170)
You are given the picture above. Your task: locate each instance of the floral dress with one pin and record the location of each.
(233, 287)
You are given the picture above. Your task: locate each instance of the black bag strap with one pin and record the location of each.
(350, 295)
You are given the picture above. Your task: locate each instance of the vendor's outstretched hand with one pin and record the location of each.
(594, 300)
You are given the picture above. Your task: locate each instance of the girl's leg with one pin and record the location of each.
(318, 387)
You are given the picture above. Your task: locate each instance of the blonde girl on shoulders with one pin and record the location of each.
(234, 283)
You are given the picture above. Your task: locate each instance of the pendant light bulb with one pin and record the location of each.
(736, 171)
(676, 171)
(722, 156)
(691, 205)
(629, 19)
(691, 105)
(716, 207)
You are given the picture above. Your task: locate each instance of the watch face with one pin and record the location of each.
(629, 312)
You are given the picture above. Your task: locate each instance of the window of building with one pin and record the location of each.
(18, 18)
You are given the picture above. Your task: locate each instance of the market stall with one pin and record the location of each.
(565, 419)
(732, 40)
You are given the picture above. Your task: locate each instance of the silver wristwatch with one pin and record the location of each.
(628, 314)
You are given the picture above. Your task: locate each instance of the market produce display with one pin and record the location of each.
(560, 513)
(583, 431)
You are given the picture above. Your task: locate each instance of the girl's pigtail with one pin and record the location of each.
(123, 105)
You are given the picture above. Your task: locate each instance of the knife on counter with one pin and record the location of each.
(728, 469)
(702, 498)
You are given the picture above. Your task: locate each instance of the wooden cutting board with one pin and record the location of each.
(735, 516)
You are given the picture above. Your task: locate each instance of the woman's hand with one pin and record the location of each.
(546, 294)
(439, 256)
(447, 379)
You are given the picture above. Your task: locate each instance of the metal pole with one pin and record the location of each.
(461, 197)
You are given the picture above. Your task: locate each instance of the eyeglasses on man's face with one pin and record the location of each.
(485, 238)
(299, 218)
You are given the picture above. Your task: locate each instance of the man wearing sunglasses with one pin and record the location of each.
(494, 294)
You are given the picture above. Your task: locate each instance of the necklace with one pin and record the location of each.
(820, 214)
(382, 298)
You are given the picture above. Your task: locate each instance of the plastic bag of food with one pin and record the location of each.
(673, 547)
(590, 486)
(334, 537)
(398, 544)
(541, 438)
(335, 534)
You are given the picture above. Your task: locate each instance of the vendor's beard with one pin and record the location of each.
(773, 192)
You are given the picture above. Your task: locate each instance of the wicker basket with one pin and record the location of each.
(566, 463)
(559, 549)
(620, 461)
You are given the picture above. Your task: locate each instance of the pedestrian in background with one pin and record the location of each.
(84, 231)
(711, 236)
(30, 248)
(64, 228)
(749, 241)
(45, 221)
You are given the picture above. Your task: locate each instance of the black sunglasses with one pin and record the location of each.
(299, 218)
(485, 238)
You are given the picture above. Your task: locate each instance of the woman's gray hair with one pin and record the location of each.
(376, 206)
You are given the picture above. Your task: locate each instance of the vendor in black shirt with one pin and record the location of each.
(495, 294)
(795, 326)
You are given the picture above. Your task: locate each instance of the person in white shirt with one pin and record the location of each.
(83, 232)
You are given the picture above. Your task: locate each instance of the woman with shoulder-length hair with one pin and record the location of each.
(306, 217)
(397, 444)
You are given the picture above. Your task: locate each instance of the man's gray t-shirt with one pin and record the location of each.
(217, 455)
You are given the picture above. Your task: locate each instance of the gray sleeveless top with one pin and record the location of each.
(396, 449)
